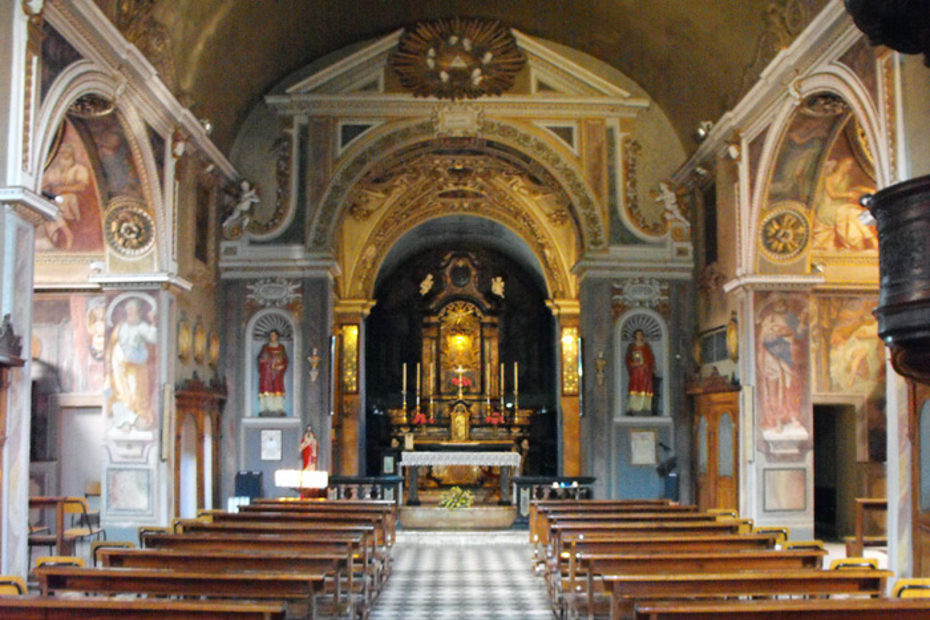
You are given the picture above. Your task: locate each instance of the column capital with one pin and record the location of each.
(348, 310)
(564, 309)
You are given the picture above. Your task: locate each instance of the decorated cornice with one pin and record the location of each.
(142, 281)
(774, 283)
(404, 106)
(88, 29)
(240, 261)
(30, 205)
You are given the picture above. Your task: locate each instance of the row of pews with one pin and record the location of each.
(657, 560)
(273, 559)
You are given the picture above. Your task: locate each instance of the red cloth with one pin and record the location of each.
(272, 362)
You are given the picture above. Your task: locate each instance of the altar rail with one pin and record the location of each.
(365, 487)
(528, 488)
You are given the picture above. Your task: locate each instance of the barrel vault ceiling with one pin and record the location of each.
(695, 58)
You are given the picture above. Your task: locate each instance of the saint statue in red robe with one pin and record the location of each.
(309, 447)
(272, 364)
(640, 365)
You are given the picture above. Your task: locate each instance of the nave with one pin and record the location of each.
(448, 574)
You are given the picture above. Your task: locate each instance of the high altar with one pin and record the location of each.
(460, 396)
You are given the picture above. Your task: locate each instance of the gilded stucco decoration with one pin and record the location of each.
(453, 184)
(639, 293)
(273, 292)
(584, 208)
(136, 20)
(634, 213)
(458, 58)
(129, 228)
(785, 232)
(783, 20)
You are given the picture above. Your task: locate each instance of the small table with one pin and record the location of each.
(505, 460)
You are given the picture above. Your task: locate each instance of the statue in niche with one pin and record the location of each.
(641, 365)
(309, 449)
(272, 364)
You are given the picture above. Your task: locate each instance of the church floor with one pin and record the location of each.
(475, 575)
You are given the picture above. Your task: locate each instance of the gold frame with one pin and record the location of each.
(184, 340)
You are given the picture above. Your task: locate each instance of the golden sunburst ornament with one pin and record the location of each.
(457, 58)
(785, 233)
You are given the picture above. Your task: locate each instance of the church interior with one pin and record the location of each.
(480, 255)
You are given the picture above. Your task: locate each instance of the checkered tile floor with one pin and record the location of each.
(474, 575)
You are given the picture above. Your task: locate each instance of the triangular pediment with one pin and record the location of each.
(366, 71)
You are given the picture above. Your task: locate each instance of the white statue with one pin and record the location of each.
(241, 213)
(497, 286)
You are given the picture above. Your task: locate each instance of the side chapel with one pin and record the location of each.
(630, 250)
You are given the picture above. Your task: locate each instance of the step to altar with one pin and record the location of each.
(433, 517)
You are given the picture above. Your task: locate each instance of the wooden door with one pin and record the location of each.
(919, 404)
(716, 446)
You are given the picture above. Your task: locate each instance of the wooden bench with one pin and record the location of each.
(388, 511)
(855, 545)
(336, 566)
(541, 512)
(54, 608)
(626, 590)
(383, 536)
(547, 519)
(812, 609)
(586, 568)
(297, 590)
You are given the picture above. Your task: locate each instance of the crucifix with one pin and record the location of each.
(460, 370)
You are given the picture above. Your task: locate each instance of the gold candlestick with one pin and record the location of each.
(501, 388)
(460, 370)
(516, 384)
(403, 388)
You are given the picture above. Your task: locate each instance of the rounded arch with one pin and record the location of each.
(656, 331)
(85, 78)
(392, 138)
(256, 330)
(834, 79)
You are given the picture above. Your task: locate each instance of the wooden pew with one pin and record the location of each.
(383, 536)
(812, 609)
(546, 519)
(586, 568)
(351, 546)
(54, 608)
(626, 590)
(562, 534)
(388, 510)
(338, 566)
(540, 511)
(297, 590)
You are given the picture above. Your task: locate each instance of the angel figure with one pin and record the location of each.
(241, 213)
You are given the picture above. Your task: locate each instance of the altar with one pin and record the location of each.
(508, 462)
(459, 422)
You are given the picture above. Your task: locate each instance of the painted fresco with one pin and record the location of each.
(132, 348)
(851, 357)
(844, 178)
(782, 354)
(112, 149)
(795, 169)
(70, 176)
(69, 340)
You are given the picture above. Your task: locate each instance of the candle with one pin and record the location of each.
(501, 387)
(418, 383)
(516, 378)
(403, 374)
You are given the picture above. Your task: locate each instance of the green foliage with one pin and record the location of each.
(456, 497)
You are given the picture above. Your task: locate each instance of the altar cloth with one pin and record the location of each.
(482, 459)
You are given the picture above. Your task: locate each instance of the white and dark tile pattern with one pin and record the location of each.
(474, 575)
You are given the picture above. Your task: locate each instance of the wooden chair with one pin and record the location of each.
(81, 527)
(108, 544)
(92, 495)
(59, 560)
(916, 587)
(12, 585)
